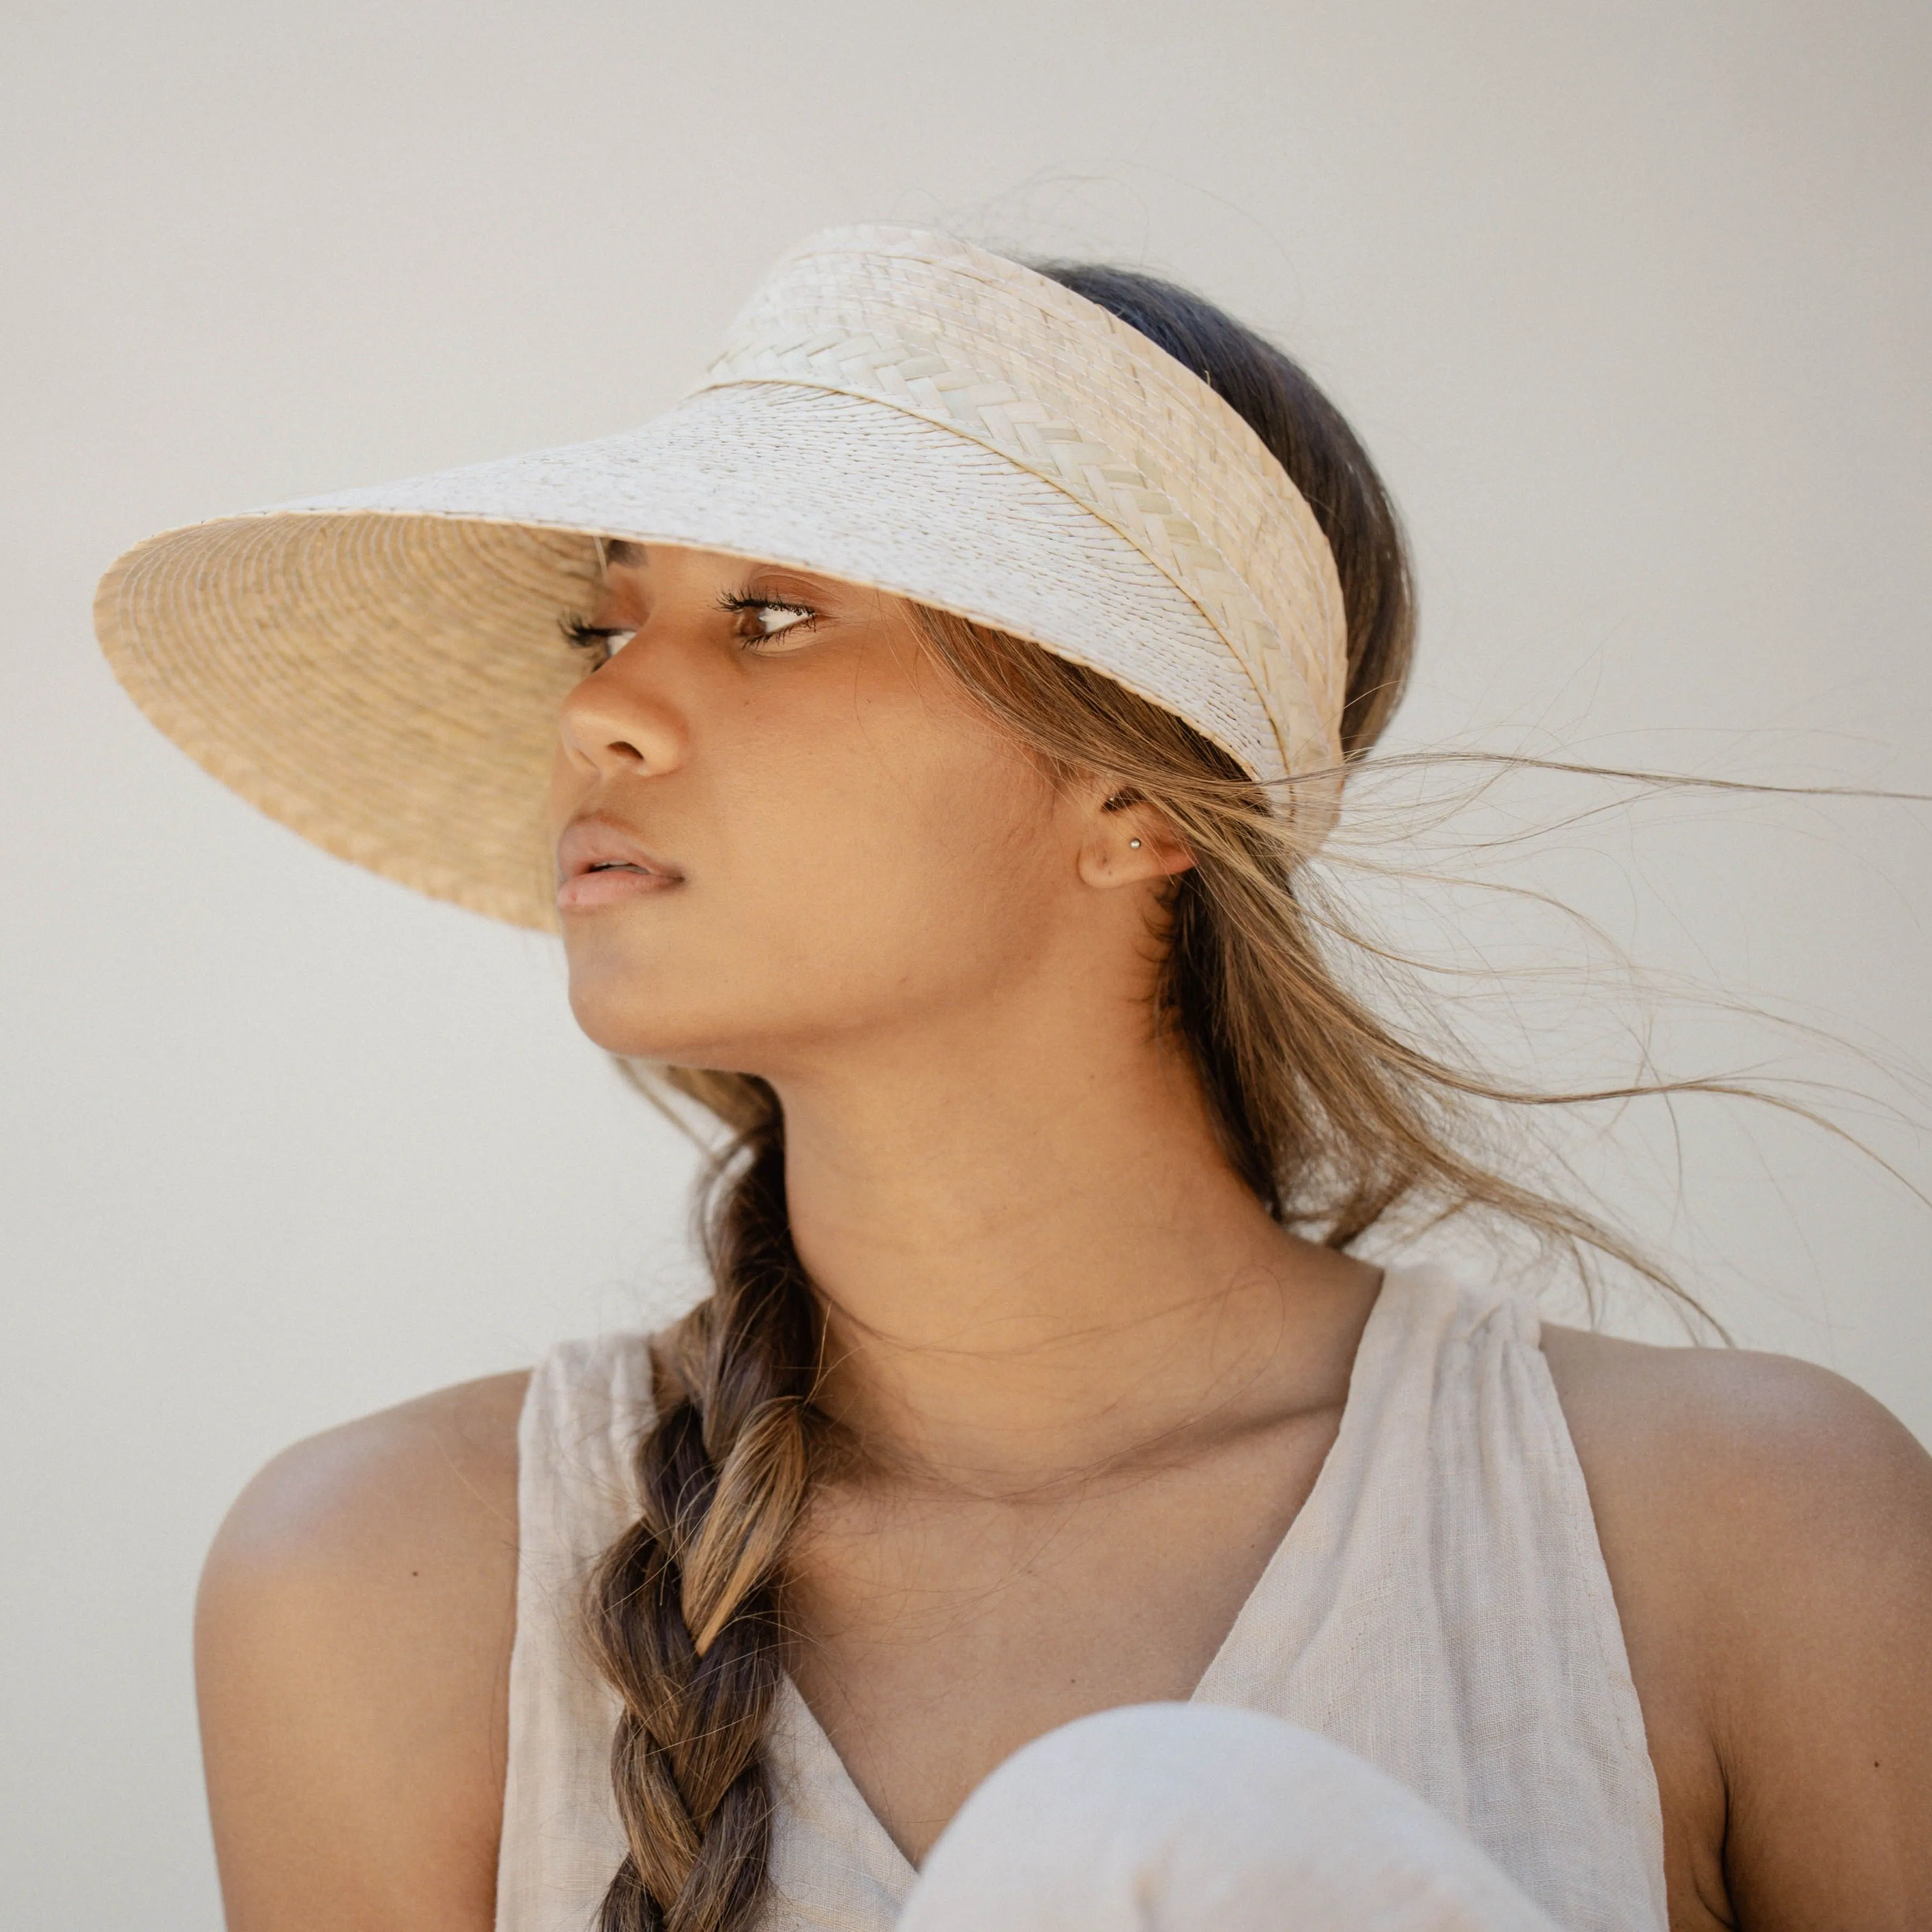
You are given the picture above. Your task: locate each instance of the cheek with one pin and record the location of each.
(566, 791)
(921, 853)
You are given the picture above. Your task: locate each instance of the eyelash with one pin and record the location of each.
(743, 600)
(583, 636)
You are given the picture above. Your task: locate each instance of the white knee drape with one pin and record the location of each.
(1196, 1818)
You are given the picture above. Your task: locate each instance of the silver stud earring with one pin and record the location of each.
(1134, 845)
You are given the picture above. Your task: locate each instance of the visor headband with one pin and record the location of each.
(1007, 358)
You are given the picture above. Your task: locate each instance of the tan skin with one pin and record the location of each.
(1097, 1381)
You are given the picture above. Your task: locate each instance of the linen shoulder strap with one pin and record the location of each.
(561, 1840)
(1441, 1607)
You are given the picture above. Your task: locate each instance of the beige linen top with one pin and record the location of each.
(1440, 1607)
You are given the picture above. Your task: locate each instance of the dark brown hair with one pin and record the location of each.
(1315, 446)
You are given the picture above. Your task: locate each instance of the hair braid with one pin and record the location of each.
(683, 1609)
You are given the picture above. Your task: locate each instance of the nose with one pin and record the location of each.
(617, 722)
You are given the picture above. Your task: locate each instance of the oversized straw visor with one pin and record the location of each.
(381, 669)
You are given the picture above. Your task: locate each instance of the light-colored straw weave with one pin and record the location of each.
(992, 351)
(380, 669)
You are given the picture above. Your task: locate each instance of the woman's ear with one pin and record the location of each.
(1128, 841)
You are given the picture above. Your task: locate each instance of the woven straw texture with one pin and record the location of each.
(380, 669)
(971, 341)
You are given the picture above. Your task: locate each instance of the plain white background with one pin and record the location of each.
(1630, 302)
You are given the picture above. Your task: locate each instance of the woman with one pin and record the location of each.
(954, 687)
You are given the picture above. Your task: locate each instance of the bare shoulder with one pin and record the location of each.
(1735, 1435)
(1767, 1526)
(373, 1489)
(352, 1641)
(1745, 1488)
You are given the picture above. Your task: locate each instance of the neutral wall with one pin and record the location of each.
(1630, 301)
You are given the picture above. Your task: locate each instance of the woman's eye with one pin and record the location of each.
(762, 621)
(600, 642)
(775, 619)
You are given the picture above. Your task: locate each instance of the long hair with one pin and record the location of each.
(1334, 1122)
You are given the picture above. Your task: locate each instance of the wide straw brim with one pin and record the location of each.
(381, 670)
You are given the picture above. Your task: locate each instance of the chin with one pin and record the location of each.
(637, 1022)
(726, 1014)
(622, 1030)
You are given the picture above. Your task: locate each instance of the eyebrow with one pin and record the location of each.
(620, 550)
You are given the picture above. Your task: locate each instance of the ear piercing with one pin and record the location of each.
(1134, 845)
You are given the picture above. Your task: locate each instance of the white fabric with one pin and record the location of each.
(1185, 1818)
(1440, 1607)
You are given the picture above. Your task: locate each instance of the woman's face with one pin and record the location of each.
(781, 824)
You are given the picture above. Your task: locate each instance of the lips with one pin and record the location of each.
(599, 863)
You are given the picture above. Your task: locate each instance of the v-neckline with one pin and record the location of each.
(814, 1757)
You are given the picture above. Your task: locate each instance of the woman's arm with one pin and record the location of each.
(1767, 1528)
(351, 1647)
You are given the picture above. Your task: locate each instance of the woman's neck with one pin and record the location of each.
(1038, 1263)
